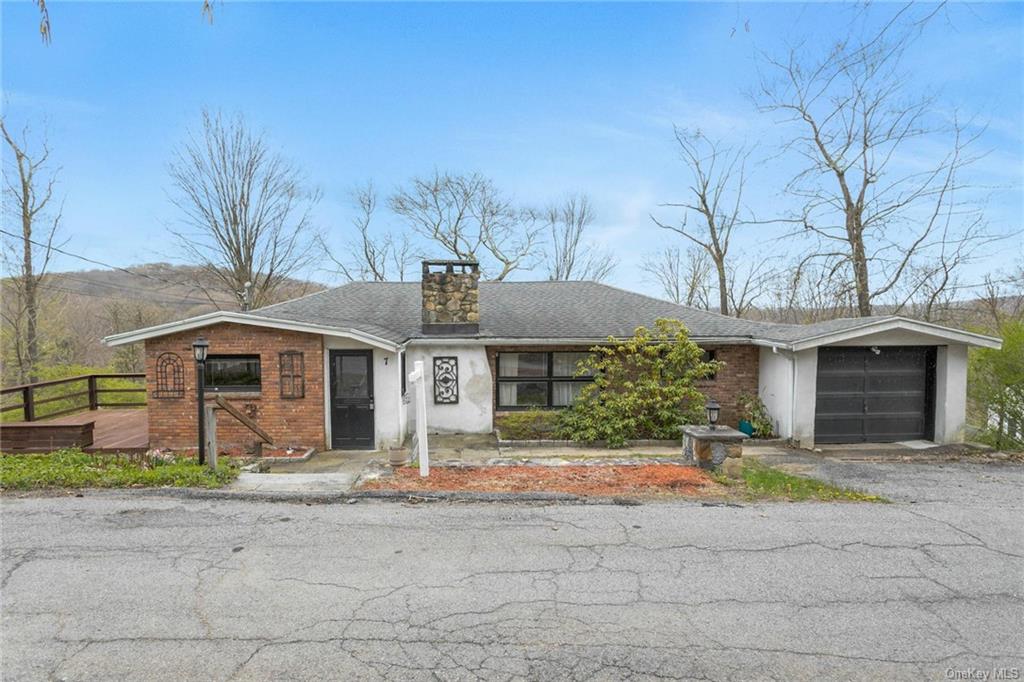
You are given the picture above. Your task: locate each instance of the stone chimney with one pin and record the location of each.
(451, 297)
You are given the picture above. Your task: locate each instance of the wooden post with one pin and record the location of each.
(27, 405)
(94, 401)
(211, 436)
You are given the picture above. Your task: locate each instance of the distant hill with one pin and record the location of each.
(79, 308)
(181, 289)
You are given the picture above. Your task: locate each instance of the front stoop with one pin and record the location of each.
(293, 483)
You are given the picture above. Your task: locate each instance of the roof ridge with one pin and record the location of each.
(299, 298)
(700, 311)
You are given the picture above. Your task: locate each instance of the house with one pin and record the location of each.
(329, 369)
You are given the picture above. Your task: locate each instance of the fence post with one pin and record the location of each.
(94, 401)
(27, 405)
(211, 437)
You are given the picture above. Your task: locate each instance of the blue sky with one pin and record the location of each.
(545, 99)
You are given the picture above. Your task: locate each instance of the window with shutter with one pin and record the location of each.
(293, 375)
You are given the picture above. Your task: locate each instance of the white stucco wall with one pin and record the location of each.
(387, 399)
(472, 414)
(805, 396)
(775, 386)
(950, 393)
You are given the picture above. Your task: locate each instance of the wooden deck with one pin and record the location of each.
(114, 430)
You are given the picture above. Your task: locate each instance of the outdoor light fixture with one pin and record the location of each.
(200, 347)
(712, 408)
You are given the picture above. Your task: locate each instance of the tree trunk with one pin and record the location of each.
(860, 264)
(31, 304)
(723, 287)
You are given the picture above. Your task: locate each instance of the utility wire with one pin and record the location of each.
(90, 260)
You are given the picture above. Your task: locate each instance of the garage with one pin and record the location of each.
(875, 394)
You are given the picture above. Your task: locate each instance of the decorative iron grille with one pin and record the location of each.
(446, 381)
(170, 377)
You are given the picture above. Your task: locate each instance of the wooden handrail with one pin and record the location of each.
(29, 402)
(80, 377)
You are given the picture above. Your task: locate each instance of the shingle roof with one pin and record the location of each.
(528, 310)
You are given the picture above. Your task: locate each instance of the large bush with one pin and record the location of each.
(996, 388)
(643, 387)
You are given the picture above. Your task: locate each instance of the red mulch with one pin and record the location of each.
(643, 479)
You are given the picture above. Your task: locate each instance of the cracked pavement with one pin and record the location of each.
(121, 586)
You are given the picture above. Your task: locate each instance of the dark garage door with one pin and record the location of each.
(875, 396)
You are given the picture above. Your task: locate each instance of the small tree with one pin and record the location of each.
(643, 387)
(996, 388)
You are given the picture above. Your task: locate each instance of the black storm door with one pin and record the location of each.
(351, 399)
(875, 394)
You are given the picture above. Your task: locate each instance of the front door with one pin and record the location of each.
(351, 399)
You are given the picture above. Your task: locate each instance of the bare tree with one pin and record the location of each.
(684, 277)
(373, 258)
(28, 191)
(123, 315)
(808, 292)
(44, 17)
(874, 216)
(569, 256)
(717, 179)
(247, 207)
(746, 284)
(471, 220)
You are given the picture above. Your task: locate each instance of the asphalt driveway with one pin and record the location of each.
(134, 587)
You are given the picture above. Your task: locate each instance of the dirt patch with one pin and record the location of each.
(268, 451)
(646, 479)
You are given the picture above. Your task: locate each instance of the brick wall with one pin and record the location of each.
(290, 422)
(739, 375)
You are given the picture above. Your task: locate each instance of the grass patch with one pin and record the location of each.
(72, 468)
(762, 481)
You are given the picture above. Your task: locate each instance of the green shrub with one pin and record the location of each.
(527, 425)
(643, 387)
(753, 410)
(996, 387)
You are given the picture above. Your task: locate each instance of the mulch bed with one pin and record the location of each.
(646, 479)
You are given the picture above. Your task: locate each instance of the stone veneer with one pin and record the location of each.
(289, 421)
(451, 297)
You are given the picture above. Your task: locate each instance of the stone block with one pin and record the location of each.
(733, 467)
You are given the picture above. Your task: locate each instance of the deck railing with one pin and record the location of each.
(45, 399)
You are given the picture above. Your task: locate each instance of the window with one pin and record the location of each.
(233, 373)
(709, 356)
(293, 374)
(531, 380)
